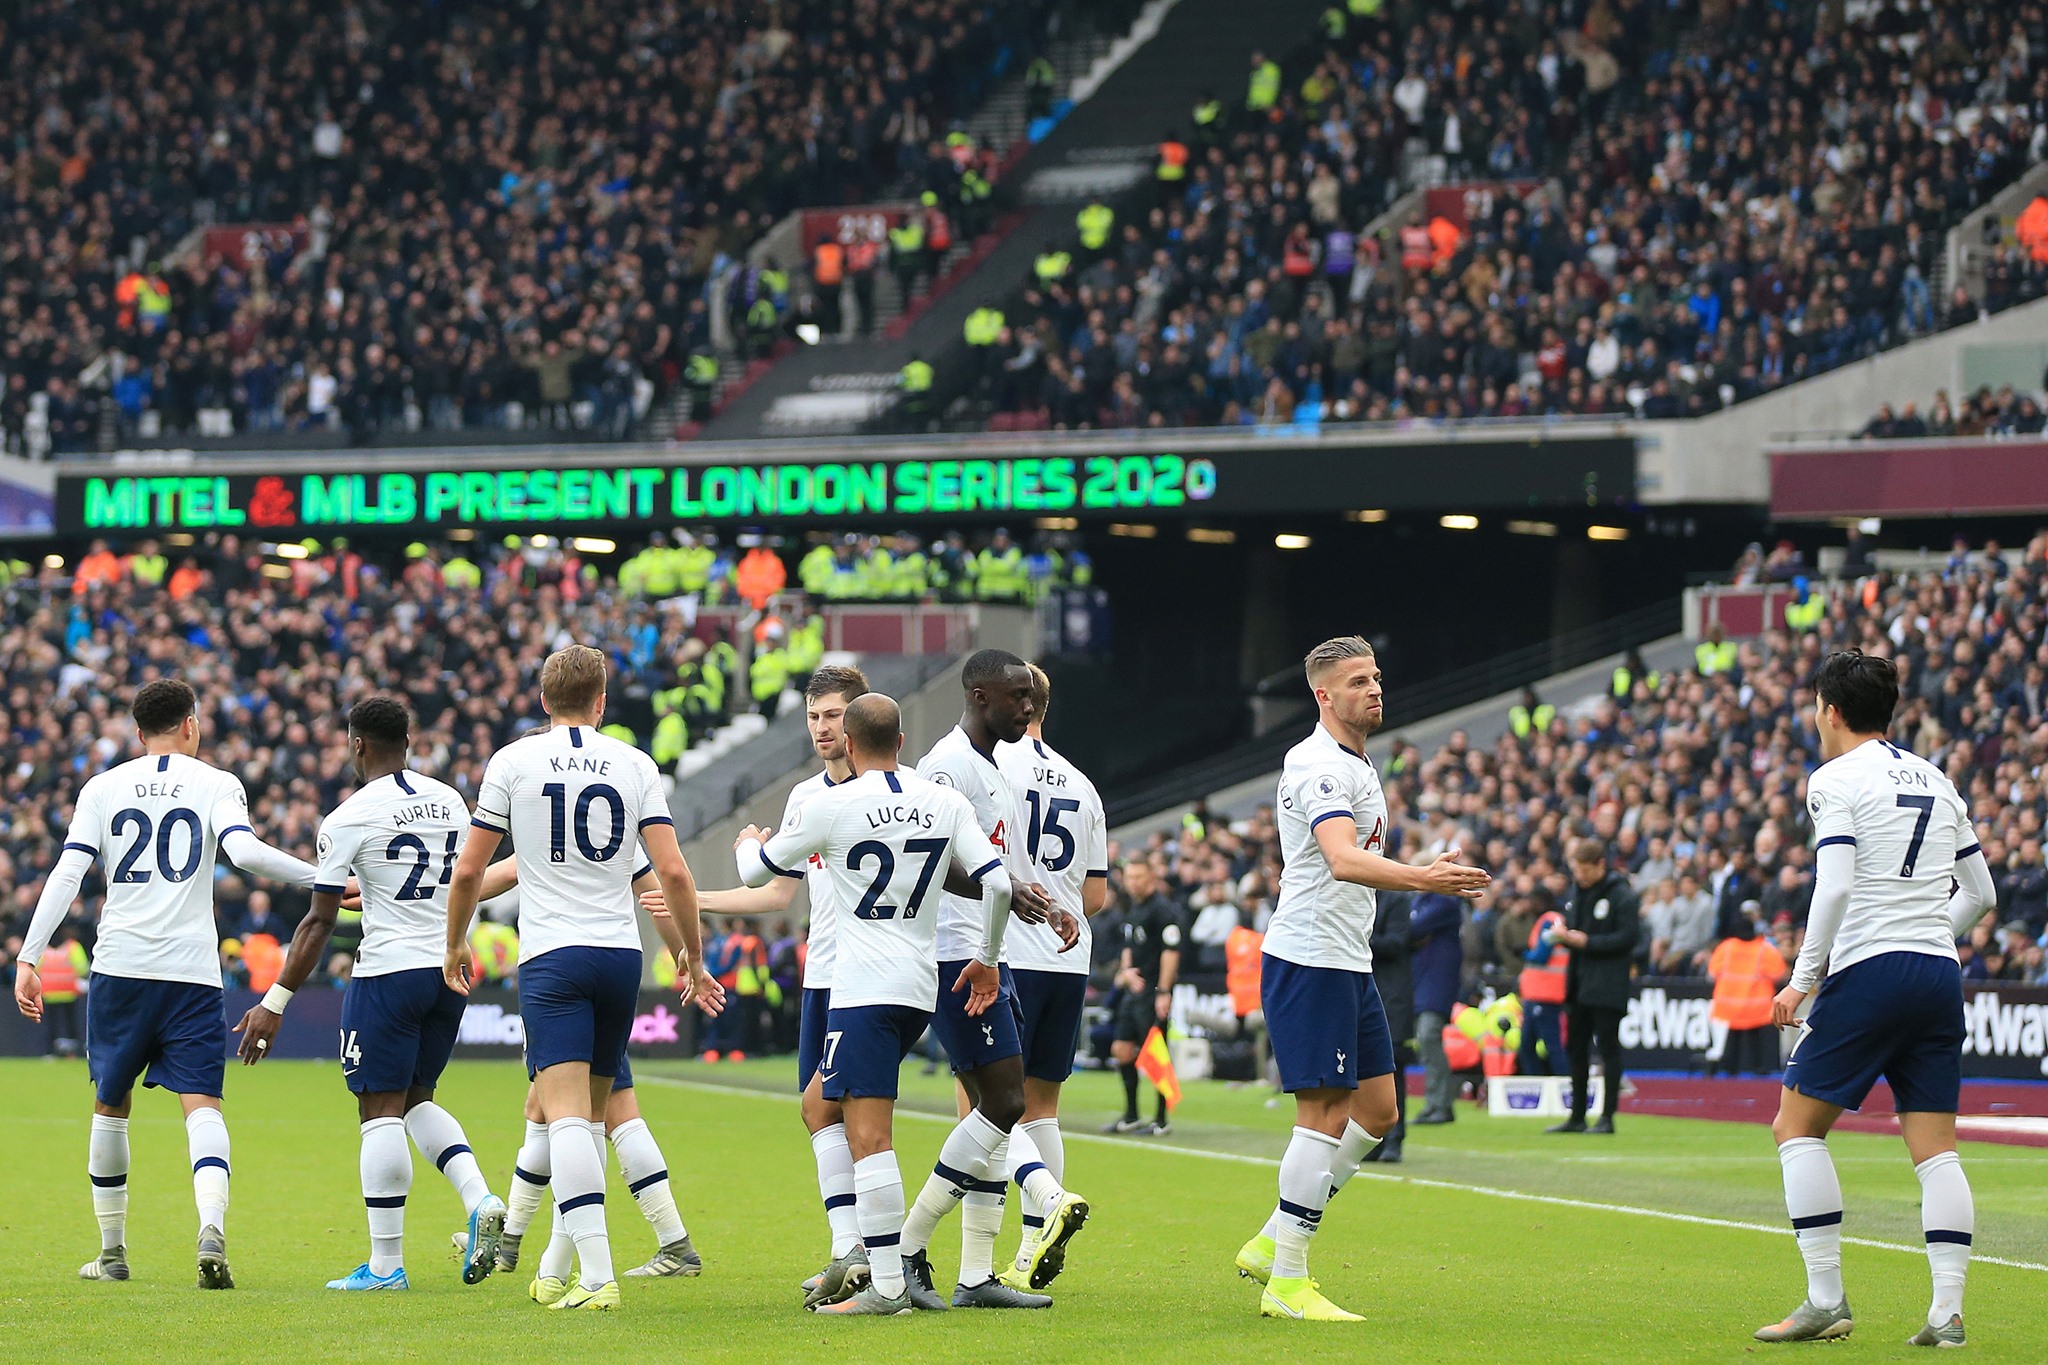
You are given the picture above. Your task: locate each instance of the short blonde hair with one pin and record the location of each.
(1041, 691)
(1330, 653)
(572, 679)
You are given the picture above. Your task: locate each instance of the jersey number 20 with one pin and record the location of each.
(933, 851)
(126, 870)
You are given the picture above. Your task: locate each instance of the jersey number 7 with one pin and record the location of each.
(933, 851)
(1925, 805)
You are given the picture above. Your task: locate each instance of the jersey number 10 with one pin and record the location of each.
(558, 810)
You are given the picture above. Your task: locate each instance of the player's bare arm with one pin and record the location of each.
(463, 895)
(1337, 837)
(309, 945)
(679, 889)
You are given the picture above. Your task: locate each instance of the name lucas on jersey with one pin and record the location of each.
(883, 816)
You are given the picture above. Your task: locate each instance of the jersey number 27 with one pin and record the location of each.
(871, 906)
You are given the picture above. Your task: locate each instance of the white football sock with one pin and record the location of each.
(106, 1163)
(835, 1186)
(440, 1140)
(1304, 1189)
(558, 1257)
(579, 1195)
(1024, 1165)
(981, 1218)
(531, 1170)
(1813, 1197)
(964, 1160)
(1948, 1218)
(1351, 1150)
(1044, 1136)
(387, 1179)
(646, 1173)
(206, 1138)
(878, 1199)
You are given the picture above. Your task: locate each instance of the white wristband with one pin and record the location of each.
(276, 998)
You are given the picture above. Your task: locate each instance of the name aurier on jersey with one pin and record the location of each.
(425, 810)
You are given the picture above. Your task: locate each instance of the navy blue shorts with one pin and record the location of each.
(975, 1041)
(622, 1081)
(174, 1034)
(1049, 1021)
(577, 1005)
(810, 1035)
(864, 1049)
(1327, 1025)
(398, 1031)
(1896, 1015)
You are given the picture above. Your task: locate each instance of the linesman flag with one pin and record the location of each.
(1156, 1062)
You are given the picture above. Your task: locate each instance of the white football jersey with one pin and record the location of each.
(955, 762)
(574, 802)
(886, 839)
(1319, 921)
(155, 823)
(821, 946)
(821, 950)
(399, 835)
(1066, 841)
(1909, 828)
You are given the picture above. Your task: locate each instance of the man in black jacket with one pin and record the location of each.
(1602, 925)
(1390, 949)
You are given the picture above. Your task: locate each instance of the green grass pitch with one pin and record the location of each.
(1493, 1243)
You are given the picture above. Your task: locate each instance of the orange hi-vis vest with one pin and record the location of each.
(1746, 976)
(59, 972)
(263, 956)
(1544, 984)
(828, 265)
(1241, 968)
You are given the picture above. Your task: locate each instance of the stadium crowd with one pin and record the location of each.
(280, 647)
(1984, 413)
(1750, 194)
(487, 204)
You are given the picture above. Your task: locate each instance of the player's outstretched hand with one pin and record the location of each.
(457, 968)
(258, 1029)
(1447, 876)
(982, 983)
(1067, 927)
(1785, 1007)
(653, 902)
(1031, 903)
(28, 991)
(708, 994)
